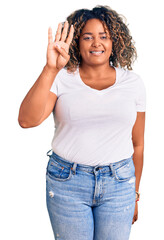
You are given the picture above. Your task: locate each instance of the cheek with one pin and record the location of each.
(109, 45)
(81, 45)
(84, 48)
(109, 49)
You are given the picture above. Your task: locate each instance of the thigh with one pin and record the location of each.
(113, 220)
(113, 217)
(71, 218)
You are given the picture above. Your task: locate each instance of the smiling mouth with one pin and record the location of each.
(96, 53)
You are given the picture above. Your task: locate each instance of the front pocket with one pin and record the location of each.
(58, 171)
(125, 171)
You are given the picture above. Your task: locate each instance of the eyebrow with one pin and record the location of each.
(89, 33)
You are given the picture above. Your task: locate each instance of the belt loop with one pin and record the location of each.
(112, 169)
(74, 168)
(48, 153)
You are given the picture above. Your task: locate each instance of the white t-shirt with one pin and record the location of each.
(94, 127)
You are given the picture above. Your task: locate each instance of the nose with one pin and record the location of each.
(96, 43)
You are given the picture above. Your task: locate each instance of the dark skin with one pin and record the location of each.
(95, 71)
(95, 49)
(138, 144)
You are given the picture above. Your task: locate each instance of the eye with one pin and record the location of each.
(104, 37)
(87, 38)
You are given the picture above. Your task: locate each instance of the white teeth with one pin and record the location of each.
(96, 52)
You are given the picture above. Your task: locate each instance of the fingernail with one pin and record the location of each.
(57, 45)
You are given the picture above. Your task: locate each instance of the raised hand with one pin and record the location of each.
(57, 51)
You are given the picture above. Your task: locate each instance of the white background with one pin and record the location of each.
(23, 44)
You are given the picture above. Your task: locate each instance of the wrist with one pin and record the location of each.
(137, 196)
(51, 69)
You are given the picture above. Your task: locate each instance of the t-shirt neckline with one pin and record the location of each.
(96, 90)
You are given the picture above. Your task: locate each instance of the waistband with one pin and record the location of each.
(88, 168)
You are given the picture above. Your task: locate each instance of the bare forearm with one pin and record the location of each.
(33, 105)
(138, 163)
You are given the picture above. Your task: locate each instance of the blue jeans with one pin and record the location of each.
(90, 202)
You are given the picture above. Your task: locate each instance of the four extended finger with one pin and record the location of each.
(70, 35)
(65, 30)
(58, 32)
(50, 38)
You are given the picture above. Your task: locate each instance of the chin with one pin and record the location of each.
(96, 63)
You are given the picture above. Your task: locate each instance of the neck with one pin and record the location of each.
(95, 71)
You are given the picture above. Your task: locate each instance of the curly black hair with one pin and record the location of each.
(123, 52)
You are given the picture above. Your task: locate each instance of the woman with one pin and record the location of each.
(94, 171)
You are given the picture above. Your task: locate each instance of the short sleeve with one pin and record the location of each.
(54, 87)
(141, 97)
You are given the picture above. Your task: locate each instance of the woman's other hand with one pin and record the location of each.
(57, 51)
(135, 217)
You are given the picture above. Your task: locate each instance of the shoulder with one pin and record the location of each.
(128, 76)
(65, 74)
